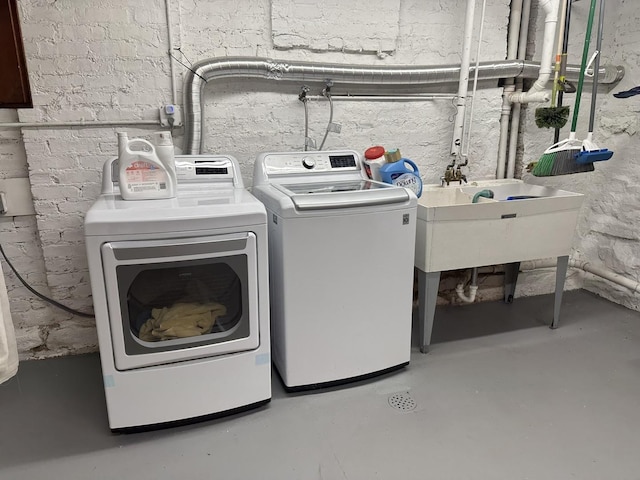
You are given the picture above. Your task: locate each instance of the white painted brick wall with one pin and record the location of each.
(109, 61)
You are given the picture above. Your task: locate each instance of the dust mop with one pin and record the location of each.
(560, 158)
(590, 151)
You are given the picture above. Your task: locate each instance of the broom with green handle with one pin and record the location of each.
(560, 158)
(590, 151)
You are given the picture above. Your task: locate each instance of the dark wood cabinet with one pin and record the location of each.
(14, 80)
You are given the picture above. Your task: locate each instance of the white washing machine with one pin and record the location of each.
(180, 292)
(341, 253)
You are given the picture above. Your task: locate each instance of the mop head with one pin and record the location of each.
(552, 117)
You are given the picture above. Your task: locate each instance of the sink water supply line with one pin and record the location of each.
(340, 74)
(463, 84)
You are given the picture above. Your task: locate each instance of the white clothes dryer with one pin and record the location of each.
(341, 251)
(180, 293)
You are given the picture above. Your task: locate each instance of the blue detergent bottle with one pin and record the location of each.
(402, 173)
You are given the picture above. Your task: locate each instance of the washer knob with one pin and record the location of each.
(308, 163)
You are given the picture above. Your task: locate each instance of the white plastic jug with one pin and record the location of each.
(142, 176)
(164, 149)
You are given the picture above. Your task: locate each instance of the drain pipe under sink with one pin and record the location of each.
(473, 288)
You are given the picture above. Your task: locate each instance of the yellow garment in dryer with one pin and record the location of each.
(181, 320)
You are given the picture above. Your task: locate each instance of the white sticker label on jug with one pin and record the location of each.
(408, 180)
(145, 176)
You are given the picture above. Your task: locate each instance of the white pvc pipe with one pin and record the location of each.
(463, 82)
(607, 275)
(505, 114)
(467, 143)
(515, 112)
(586, 267)
(473, 288)
(472, 293)
(81, 123)
(537, 91)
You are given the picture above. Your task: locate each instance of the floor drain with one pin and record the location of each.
(402, 401)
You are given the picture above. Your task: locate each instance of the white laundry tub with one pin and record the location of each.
(453, 232)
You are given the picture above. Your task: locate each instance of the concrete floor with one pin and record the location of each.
(500, 396)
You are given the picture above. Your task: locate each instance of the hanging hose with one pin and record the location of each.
(327, 93)
(302, 96)
(41, 296)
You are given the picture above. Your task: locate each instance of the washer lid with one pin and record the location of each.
(343, 194)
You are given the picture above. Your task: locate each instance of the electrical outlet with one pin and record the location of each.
(170, 112)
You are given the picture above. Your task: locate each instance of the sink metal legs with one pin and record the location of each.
(511, 271)
(428, 283)
(427, 298)
(561, 274)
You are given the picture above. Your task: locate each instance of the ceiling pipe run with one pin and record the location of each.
(307, 72)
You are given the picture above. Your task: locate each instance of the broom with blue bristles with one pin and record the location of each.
(560, 158)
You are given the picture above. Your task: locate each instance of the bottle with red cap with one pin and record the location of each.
(373, 161)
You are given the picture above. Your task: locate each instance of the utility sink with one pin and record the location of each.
(521, 222)
(454, 233)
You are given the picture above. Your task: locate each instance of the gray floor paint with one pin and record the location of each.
(499, 396)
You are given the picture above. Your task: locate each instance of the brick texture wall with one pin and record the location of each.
(108, 60)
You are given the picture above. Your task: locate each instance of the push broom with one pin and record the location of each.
(560, 158)
(590, 152)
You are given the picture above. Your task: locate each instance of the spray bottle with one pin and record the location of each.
(164, 149)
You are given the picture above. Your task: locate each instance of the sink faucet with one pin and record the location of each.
(451, 175)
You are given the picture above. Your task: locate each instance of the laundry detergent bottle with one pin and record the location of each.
(402, 173)
(142, 176)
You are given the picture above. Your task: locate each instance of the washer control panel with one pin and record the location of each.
(297, 163)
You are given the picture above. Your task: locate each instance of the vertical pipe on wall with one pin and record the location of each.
(512, 49)
(174, 94)
(463, 82)
(515, 113)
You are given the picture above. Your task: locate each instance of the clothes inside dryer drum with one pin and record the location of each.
(181, 320)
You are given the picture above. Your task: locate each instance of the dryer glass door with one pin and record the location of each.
(179, 299)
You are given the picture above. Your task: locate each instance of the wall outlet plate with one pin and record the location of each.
(170, 111)
(16, 198)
